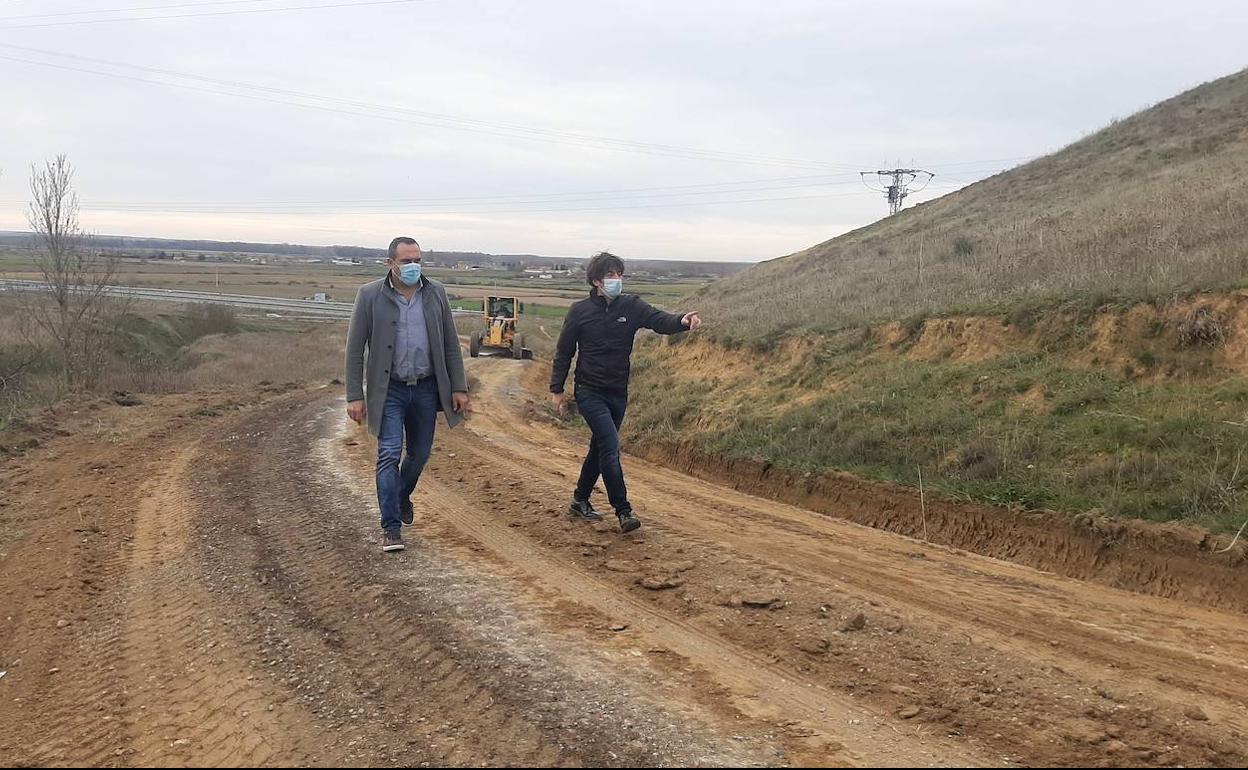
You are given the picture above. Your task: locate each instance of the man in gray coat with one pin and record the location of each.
(415, 369)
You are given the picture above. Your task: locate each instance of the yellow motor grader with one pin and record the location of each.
(500, 335)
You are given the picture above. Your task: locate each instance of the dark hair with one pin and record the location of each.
(602, 263)
(401, 240)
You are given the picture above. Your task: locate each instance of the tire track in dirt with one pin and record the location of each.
(132, 682)
(757, 687)
(229, 607)
(414, 635)
(203, 703)
(57, 580)
(1197, 654)
(761, 689)
(1130, 665)
(224, 603)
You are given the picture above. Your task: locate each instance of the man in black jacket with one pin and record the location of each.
(600, 330)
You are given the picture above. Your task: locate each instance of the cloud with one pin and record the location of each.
(848, 84)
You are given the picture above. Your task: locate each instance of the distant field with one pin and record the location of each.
(340, 283)
(289, 281)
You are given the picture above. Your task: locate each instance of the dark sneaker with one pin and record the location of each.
(628, 522)
(406, 514)
(583, 509)
(392, 541)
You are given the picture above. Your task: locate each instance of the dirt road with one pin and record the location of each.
(197, 580)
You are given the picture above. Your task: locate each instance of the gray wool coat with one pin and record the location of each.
(370, 349)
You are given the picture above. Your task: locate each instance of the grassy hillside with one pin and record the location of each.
(1076, 339)
(1151, 205)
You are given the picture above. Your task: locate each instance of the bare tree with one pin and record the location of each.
(75, 311)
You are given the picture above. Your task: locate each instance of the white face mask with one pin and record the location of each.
(612, 287)
(409, 273)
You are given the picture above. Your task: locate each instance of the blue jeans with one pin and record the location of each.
(605, 413)
(410, 409)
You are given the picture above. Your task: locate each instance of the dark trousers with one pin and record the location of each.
(604, 412)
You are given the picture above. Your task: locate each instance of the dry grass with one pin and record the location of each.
(154, 351)
(28, 374)
(1150, 206)
(313, 353)
(301, 353)
(1203, 326)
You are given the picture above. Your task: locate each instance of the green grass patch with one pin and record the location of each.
(1160, 451)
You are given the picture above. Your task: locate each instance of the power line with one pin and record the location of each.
(224, 211)
(498, 205)
(512, 199)
(504, 206)
(984, 162)
(901, 179)
(404, 115)
(898, 190)
(965, 180)
(476, 198)
(357, 4)
(495, 201)
(133, 9)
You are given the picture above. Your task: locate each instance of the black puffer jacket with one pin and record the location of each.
(601, 336)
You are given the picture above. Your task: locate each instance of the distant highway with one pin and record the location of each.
(279, 306)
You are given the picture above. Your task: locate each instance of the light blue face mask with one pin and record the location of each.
(612, 287)
(409, 273)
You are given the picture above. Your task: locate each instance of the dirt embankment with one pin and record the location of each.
(1201, 338)
(1168, 560)
(1173, 561)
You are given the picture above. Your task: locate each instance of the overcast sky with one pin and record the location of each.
(531, 127)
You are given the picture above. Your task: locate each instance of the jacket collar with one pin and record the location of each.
(601, 299)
